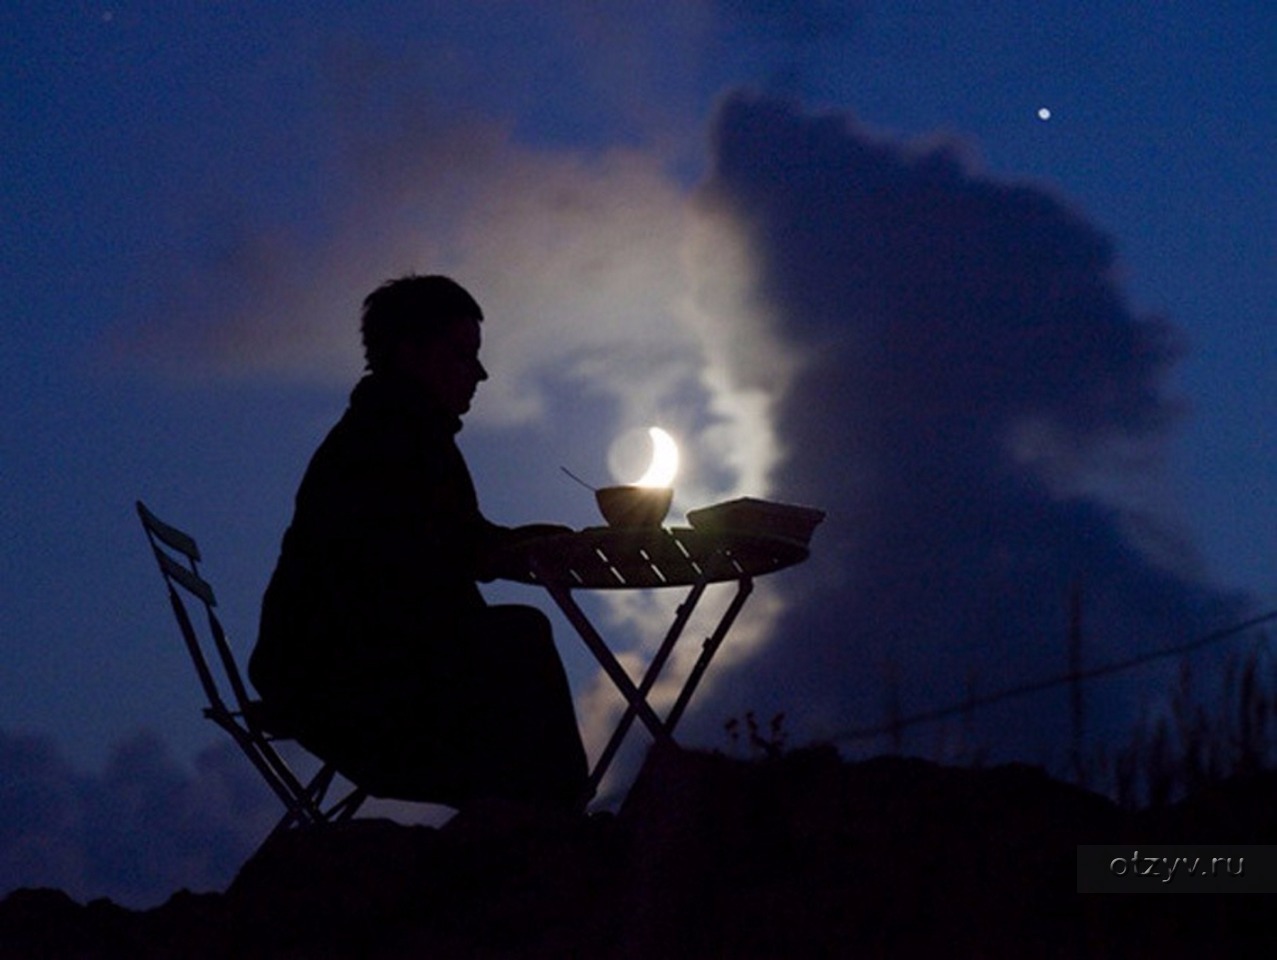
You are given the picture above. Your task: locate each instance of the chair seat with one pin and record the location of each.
(276, 725)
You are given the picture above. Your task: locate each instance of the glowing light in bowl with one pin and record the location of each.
(664, 465)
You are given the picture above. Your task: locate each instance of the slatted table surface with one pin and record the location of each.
(607, 558)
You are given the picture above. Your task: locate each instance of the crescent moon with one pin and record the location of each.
(660, 473)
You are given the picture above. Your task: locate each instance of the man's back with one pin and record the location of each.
(376, 648)
(380, 555)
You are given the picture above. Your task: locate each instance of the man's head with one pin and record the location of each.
(426, 328)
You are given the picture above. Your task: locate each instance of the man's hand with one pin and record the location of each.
(535, 531)
(503, 556)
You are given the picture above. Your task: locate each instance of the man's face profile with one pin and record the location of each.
(447, 367)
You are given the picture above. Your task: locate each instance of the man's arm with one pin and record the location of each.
(502, 544)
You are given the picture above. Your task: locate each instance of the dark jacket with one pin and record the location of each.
(380, 560)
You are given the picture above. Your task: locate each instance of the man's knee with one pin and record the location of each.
(518, 624)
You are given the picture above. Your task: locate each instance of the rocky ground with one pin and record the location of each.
(799, 856)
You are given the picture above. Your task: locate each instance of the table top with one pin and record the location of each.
(609, 558)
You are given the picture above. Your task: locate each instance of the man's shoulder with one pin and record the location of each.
(383, 406)
(377, 443)
(356, 445)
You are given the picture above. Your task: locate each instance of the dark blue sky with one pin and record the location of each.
(197, 196)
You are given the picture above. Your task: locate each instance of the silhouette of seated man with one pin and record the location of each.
(376, 648)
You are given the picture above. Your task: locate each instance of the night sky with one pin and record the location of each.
(991, 288)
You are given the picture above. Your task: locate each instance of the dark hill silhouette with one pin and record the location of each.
(802, 855)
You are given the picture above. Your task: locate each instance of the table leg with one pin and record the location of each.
(745, 587)
(649, 680)
(563, 597)
(636, 696)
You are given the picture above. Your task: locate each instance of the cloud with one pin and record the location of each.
(605, 292)
(942, 360)
(978, 408)
(589, 264)
(612, 302)
(429, 159)
(795, 22)
(138, 830)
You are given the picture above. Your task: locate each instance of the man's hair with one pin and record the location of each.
(411, 308)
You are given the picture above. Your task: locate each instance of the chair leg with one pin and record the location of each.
(347, 807)
(318, 788)
(296, 816)
(309, 811)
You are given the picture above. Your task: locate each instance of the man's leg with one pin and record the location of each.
(527, 745)
(488, 713)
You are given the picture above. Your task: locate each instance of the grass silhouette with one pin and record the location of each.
(1198, 741)
(1200, 737)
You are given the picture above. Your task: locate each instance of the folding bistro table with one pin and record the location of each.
(642, 558)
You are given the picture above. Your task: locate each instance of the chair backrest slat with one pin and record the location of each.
(189, 579)
(229, 665)
(191, 639)
(172, 537)
(162, 538)
(305, 803)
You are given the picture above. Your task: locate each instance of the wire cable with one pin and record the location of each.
(972, 703)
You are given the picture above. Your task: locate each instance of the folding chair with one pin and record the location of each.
(245, 719)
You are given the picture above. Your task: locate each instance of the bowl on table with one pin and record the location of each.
(634, 506)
